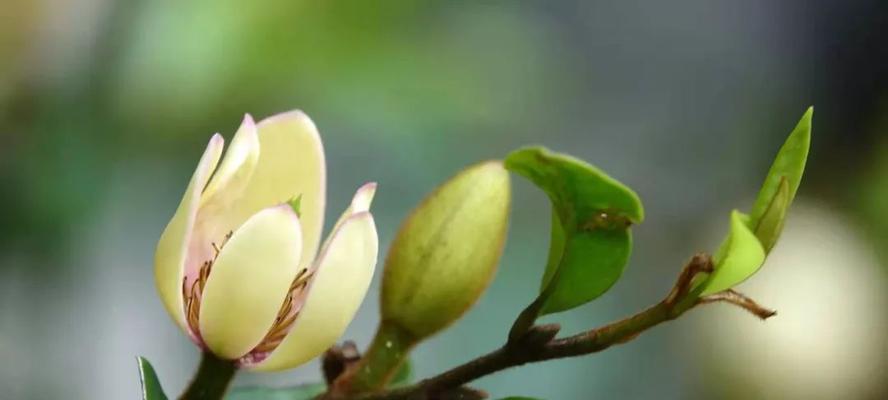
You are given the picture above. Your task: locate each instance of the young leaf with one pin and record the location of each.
(789, 165)
(738, 259)
(771, 223)
(151, 389)
(591, 216)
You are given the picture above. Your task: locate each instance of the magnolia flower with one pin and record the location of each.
(238, 266)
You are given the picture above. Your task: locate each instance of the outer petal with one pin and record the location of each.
(169, 257)
(344, 270)
(361, 202)
(291, 164)
(215, 218)
(249, 281)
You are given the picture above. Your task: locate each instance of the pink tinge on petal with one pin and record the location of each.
(216, 141)
(214, 223)
(211, 228)
(363, 197)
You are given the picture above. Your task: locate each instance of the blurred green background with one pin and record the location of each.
(105, 107)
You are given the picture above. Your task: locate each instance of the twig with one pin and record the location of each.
(539, 343)
(738, 299)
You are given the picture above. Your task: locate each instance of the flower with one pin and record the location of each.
(238, 266)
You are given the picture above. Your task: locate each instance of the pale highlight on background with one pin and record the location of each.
(827, 340)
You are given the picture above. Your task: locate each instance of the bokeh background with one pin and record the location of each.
(105, 107)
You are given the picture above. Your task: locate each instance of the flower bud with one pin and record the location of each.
(446, 251)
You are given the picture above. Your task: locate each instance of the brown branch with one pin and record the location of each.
(539, 343)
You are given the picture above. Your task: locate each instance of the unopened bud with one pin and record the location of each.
(447, 250)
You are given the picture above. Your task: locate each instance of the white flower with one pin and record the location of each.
(238, 266)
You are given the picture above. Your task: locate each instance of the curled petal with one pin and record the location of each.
(361, 202)
(363, 198)
(215, 218)
(169, 258)
(243, 151)
(249, 281)
(343, 272)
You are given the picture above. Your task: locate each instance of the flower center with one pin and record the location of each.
(193, 294)
(287, 314)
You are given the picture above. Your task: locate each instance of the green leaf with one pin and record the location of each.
(752, 237)
(591, 216)
(771, 223)
(789, 165)
(739, 257)
(302, 392)
(557, 241)
(151, 389)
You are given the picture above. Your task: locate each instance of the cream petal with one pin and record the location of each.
(249, 281)
(169, 257)
(215, 218)
(361, 202)
(363, 198)
(291, 164)
(344, 270)
(243, 150)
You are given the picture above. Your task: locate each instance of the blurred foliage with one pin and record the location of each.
(104, 104)
(165, 76)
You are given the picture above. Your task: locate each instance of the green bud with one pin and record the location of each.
(446, 251)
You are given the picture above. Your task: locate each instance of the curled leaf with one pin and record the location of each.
(740, 257)
(590, 238)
